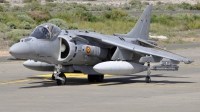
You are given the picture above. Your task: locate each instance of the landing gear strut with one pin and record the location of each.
(95, 78)
(148, 79)
(59, 76)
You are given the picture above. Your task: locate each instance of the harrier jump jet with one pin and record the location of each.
(49, 48)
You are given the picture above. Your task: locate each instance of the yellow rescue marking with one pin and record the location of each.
(17, 81)
(46, 78)
(71, 75)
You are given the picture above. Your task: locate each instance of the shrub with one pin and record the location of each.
(28, 1)
(49, 0)
(163, 19)
(39, 16)
(186, 6)
(170, 7)
(11, 25)
(82, 6)
(51, 4)
(25, 25)
(88, 17)
(59, 22)
(15, 39)
(33, 6)
(2, 18)
(197, 6)
(73, 26)
(135, 2)
(4, 27)
(16, 9)
(196, 17)
(64, 16)
(11, 42)
(85, 16)
(159, 3)
(130, 19)
(25, 18)
(126, 7)
(115, 14)
(3, 1)
(1, 8)
(17, 33)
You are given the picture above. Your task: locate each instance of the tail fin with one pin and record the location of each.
(141, 29)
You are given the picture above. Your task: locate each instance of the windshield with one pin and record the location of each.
(46, 31)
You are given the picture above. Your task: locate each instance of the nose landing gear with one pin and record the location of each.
(59, 76)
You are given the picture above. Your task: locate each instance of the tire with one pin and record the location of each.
(61, 82)
(99, 78)
(148, 79)
(91, 78)
(52, 77)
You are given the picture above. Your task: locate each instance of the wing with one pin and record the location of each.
(133, 47)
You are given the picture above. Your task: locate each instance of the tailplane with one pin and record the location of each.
(141, 29)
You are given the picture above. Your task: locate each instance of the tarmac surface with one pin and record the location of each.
(24, 90)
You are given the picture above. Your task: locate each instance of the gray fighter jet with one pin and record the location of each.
(49, 48)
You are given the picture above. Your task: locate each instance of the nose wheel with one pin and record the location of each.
(58, 76)
(62, 79)
(148, 78)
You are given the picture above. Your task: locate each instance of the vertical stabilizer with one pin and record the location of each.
(141, 29)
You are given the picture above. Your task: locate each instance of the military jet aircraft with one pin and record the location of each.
(49, 48)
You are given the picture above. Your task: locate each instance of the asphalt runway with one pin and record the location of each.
(24, 90)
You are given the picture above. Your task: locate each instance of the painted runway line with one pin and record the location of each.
(46, 77)
(17, 81)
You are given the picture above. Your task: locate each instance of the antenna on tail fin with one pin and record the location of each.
(141, 29)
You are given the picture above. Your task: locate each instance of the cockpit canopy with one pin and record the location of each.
(46, 31)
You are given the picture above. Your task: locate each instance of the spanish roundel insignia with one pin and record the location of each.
(88, 49)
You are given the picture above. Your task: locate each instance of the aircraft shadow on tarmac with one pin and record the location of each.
(108, 81)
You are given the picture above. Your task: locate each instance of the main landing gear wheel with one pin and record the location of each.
(99, 78)
(148, 78)
(62, 80)
(95, 78)
(53, 77)
(91, 78)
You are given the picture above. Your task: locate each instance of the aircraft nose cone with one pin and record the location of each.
(19, 49)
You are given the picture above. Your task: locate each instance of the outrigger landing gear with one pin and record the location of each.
(148, 78)
(59, 76)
